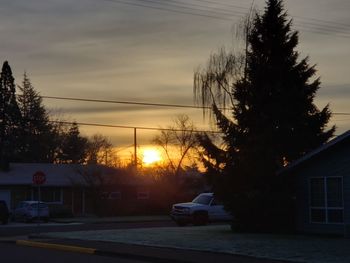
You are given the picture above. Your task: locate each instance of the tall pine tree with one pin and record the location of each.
(37, 134)
(275, 121)
(10, 118)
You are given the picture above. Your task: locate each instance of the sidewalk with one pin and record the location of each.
(220, 239)
(142, 253)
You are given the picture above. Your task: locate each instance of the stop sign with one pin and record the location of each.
(39, 178)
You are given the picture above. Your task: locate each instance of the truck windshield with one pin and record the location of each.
(202, 199)
(41, 205)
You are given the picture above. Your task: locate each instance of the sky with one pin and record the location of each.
(148, 50)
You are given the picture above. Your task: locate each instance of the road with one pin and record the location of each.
(11, 253)
(19, 229)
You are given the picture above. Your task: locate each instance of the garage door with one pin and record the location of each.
(6, 195)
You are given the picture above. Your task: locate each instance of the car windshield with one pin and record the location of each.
(35, 205)
(202, 199)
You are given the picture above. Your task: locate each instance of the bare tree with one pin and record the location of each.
(178, 143)
(100, 151)
(214, 83)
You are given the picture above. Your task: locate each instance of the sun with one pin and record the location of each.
(151, 156)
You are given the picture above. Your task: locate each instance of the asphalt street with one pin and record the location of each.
(12, 253)
(19, 229)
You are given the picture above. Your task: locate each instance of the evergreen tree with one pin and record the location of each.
(37, 134)
(74, 146)
(10, 118)
(275, 122)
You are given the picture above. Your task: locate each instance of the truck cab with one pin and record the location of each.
(201, 210)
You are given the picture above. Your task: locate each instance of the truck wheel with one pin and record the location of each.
(200, 219)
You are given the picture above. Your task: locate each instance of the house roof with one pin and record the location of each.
(58, 174)
(339, 139)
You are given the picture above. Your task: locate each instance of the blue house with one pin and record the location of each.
(322, 180)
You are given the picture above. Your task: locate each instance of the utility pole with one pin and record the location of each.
(135, 150)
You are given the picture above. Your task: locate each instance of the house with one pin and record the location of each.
(322, 180)
(72, 188)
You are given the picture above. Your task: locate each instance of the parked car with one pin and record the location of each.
(4, 212)
(203, 209)
(29, 210)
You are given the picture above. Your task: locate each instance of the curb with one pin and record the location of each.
(139, 257)
(132, 221)
(56, 246)
(7, 241)
(112, 221)
(93, 251)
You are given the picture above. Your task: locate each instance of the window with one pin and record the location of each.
(48, 194)
(115, 196)
(216, 202)
(142, 195)
(326, 200)
(104, 195)
(202, 199)
(20, 205)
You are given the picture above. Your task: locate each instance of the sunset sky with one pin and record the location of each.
(147, 51)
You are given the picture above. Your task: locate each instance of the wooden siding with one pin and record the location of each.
(334, 162)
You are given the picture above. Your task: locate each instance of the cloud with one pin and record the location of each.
(104, 50)
(335, 91)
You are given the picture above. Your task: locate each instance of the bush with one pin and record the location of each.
(268, 213)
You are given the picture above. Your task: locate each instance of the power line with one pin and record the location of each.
(176, 4)
(326, 26)
(137, 127)
(341, 113)
(124, 148)
(149, 104)
(336, 27)
(313, 27)
(347, 119)
(224, 4)
(323, 21)
(126, 102)
(321, 29)
(169, 10)
(131, 127)
(317, 20)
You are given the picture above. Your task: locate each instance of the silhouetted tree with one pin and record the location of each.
(10, 118)
(37, 134)
(178, 143)
(73, 146)
(274, 119)
(100, 151)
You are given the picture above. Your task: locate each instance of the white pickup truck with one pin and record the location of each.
(203, 209)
